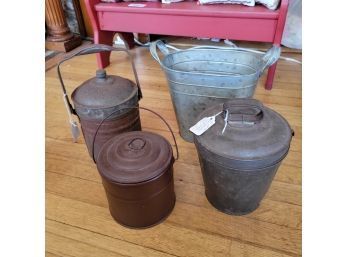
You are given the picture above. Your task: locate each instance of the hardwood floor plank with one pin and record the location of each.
(238, 250)
(192, 238)
(101, 241)
(48, 254)
(67, 247)
(165, 237)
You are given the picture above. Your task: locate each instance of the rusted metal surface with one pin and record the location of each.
(103, 96)
(240, 154)
(137, 173)
(130, 108)
(128, 121)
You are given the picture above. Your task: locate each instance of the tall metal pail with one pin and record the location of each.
(203, 76)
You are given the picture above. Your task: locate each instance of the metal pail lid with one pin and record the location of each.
(104, 91)
(246, 135)
(134, 157)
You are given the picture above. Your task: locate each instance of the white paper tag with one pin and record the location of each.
(203, 125)
(137, 5)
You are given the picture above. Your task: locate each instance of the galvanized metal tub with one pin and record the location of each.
(200, 77)
(241, 153)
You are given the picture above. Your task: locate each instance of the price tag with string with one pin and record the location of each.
(75, 132)
(203, 125)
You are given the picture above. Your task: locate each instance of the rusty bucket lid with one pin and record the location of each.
(104, 91)
(134, 157)
(246, 135)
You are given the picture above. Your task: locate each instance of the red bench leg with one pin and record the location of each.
(283, 9)
(128, 39)
(106, 37)
(100, 37)
(103, 37)
(270, 76)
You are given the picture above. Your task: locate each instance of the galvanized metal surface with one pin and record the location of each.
(240, 154)
(203, 76)
(100, 97)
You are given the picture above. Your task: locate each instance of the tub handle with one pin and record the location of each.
(268, 58)
(245, 113)
(162, 47)
(143, 108)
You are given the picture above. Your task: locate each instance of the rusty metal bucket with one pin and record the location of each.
(203, 76)
(240, 154)
(97, 97)
(137, 173)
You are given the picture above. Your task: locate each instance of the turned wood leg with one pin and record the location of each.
(103, 37)
(57, 26)
(59, 37)
(270, 76)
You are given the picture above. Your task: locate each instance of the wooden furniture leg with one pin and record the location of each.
(103, 37)
(128, 39)
(283, 10)
(59, 37)
(100, 37)
(270, 76)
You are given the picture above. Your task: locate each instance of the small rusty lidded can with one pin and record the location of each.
(240, 154)
(137, 173)
(103, 99)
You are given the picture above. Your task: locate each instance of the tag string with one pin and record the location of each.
(225, 119)
(217, 114)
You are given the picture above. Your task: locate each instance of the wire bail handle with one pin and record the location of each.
(91, 49)
(143, 108)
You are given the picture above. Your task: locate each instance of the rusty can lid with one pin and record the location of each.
(134, 157)
(246, 135)
(104, 91)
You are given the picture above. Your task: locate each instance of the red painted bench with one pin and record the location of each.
(235, 22)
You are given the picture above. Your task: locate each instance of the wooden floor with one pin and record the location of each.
(78, 222)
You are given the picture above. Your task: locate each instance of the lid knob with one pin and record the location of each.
(101, 74)
(137, 144)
